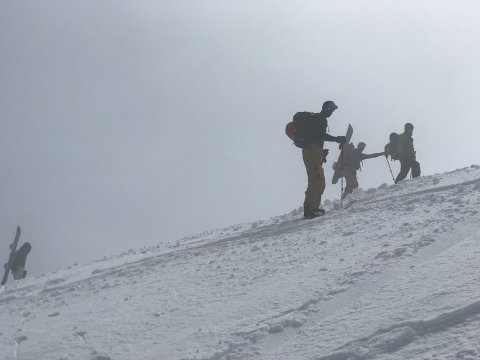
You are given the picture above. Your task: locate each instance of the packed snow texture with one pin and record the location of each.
(394, 276)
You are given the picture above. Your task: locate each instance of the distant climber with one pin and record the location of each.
(407, 154)
(18, 265)
(353, 162)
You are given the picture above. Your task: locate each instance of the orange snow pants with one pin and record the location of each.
(313, 158)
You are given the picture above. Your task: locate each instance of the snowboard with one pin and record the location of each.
(337, 166)
(13, 248)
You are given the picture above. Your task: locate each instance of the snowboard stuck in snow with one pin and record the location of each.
(13, 248)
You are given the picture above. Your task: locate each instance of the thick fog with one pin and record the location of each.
(133, 123)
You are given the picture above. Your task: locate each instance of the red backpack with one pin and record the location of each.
(290, 130)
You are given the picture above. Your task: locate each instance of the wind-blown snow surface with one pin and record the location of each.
(395, 276)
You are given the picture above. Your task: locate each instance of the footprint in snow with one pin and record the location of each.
(101, 357)
(21, 338)
(336, 291)
(298, 321)
(383, 255)
(275, 329)
(55, 281)
(465, 354)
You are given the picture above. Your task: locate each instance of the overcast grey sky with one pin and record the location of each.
(132, 123)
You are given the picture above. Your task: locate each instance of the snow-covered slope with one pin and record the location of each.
(395, 276)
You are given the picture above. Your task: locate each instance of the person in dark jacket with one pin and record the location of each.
(313, 156)
(407, 154)
(353, 160)
(19, 260)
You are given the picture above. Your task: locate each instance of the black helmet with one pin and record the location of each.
(408, 126)
(329, 105)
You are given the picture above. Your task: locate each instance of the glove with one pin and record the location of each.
(325, 153)
(341, 140)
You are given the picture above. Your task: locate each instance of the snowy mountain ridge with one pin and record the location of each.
(395, 276)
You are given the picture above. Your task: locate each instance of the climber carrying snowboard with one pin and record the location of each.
(353, 162)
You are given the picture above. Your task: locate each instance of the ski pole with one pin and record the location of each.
(341, 173)
(391, 172)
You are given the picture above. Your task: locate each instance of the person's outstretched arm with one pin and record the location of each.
(371, 156)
